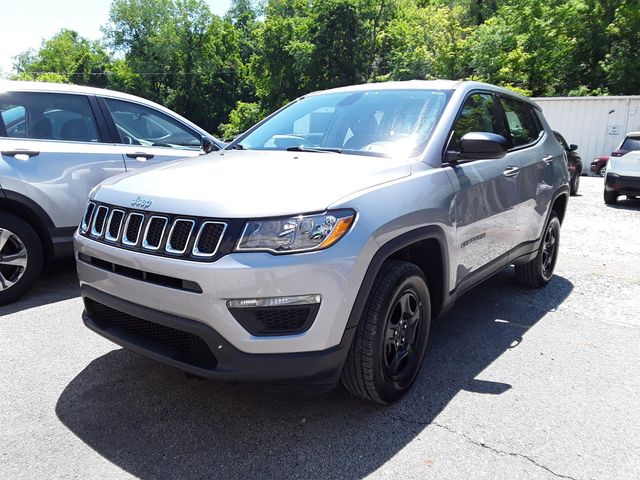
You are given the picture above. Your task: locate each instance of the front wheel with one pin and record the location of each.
(603, 171)
(391, 337)
(21, 257)
(539, 271)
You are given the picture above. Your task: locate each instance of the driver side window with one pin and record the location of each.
(478, 114)
(141, 125)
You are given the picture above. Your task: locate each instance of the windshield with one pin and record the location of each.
(373, 122)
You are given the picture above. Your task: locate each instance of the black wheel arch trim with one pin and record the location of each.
(385, 252)
(40, 220)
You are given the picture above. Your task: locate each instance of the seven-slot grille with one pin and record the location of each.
(150, 232)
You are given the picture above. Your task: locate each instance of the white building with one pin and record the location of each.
(596, 124)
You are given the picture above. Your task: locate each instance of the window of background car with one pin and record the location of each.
(478, 114)
(374, 122)
(140, 125)
(48, 116)
(561, 140)
(630, 143)
(524, 126)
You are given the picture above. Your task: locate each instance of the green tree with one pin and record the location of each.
(65, 58)
(241, 118)
(178, 53)
(427, 42)
(622, 64)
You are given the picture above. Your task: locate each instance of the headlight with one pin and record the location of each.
(296, 234)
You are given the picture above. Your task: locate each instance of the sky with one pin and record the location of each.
(27, 22)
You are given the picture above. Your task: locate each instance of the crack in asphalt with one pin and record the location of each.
(485, 446)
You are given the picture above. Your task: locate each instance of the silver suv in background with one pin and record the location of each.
(57, 142)
(319, 245)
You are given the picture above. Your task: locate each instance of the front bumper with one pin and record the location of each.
(201, 350)
(203, 289)
(624, 185)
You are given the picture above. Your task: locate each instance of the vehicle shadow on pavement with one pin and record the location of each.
(153, 422)
(59, 282)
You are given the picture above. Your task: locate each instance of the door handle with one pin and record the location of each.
(140, 156)
(20, 153)
(511, 172)
(547, 159)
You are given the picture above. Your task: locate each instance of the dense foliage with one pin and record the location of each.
(226, 73)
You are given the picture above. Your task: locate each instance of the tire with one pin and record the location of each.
(603, 171)
(575, 184)
(378, 367)
(610, 198)
(21, 257)
(538, 272)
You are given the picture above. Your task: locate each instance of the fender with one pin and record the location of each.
(32, 213)
(388, 249)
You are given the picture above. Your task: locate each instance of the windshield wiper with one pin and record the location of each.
(300, 148)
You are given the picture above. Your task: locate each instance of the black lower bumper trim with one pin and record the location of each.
(623, 184)
(319, 368)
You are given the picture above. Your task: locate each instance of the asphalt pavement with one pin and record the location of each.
(516, 384)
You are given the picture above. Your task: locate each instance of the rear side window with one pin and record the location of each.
(478, 114)
(140, 125)
(48, 116)
(631, 143)
(524, 126)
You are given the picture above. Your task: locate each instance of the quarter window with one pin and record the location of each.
(478, 115)
(48, 116)
(524, 126)
(140, 125)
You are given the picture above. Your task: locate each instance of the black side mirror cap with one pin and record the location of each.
(207, 145)
(482, 146)
(573, 147)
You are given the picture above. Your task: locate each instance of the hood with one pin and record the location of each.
(628, 165)
(245, 184)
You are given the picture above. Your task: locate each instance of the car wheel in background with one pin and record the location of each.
(603, 171)
(21, 257)
(391, 338)
(575, 184)
(610, 198)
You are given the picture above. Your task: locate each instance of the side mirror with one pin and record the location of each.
(573, 147)
(482, 146)
(207, 145)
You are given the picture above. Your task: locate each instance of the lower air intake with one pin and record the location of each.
(182, 346)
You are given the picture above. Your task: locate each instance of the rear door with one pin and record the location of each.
(146, 136)
(55, 150)
(486, 193)
(540, 159)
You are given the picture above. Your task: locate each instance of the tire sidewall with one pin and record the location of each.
(35, 256)
(554, 223)
(388, 388)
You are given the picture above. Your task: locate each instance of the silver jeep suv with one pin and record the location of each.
(57, 142)
(320, 245)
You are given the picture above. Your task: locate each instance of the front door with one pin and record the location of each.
(148, 136)
(486, 194)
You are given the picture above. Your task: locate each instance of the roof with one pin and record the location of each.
(427, 85)
(24, 86)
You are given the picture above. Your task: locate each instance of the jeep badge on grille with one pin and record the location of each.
(142, 203)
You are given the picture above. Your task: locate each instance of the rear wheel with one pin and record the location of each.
(391, 337)
(539, 271)
(21, 257)
(603, 171)
(610, 198)
(575, 183)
